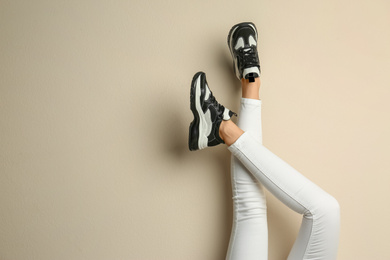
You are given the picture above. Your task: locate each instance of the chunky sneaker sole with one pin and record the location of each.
(197, 137)
(242, 42)
(208, 115)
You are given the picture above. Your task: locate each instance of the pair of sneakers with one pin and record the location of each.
(208, 113)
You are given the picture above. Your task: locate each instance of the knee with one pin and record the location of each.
(332, 205)
(329, 208)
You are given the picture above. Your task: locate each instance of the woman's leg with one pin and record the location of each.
(249, 237)
(319, 233)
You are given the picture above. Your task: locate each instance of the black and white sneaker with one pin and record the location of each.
(242, 41)
(208, 115)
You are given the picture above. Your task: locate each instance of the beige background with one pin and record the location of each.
(94, 109)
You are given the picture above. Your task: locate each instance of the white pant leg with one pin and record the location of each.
(249, 238)
(319, 233)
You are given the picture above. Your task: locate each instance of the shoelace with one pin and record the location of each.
(220, 108)
(249, 57)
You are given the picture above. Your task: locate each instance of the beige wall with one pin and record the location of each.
(94, 109)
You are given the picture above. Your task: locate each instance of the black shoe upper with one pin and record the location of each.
(217, 115)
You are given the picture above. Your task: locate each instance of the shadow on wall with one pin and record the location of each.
(226, 62)
(175, 146)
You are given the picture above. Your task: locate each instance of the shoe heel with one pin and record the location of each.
(251, 77)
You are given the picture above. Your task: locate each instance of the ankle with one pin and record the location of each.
(229, 132)
(250, 89)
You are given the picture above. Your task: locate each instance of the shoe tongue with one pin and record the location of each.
(227, 114)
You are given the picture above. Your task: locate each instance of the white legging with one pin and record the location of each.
(253, 167)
